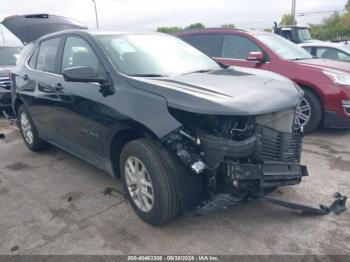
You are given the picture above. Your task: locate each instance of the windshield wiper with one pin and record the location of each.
(198, 71)
(148, 75)
(298, 59)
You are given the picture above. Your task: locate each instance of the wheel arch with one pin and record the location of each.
(313, 89)
(318, 96)
(119, 139)
(17, 103)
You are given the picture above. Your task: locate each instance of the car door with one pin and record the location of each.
(235, 50)
(36, 84)
(79, 116)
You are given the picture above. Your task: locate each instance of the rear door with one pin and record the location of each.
(235, 50)
(36, 83)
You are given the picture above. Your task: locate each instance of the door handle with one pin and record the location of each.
(25, 78)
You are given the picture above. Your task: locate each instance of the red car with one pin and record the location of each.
(326, 83)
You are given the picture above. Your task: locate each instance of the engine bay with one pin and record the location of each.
(240, 154)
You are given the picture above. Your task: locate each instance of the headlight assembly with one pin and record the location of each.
(339, 78)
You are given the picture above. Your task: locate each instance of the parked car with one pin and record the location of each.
(295, 33)
(326, 83)
(329, 50)
(8, 58)
(171, 121)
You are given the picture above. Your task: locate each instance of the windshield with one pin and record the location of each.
(304, 35)
(154, 55)
(283, 47)
(9, 55)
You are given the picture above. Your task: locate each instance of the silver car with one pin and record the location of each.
(329, 50)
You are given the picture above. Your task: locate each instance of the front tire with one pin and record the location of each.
(29, 133)
(310, 112)
(149, 182)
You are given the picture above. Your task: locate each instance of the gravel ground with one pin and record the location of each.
(54, 203)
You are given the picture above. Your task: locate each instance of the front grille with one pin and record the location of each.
(5, 82)
(280, 146)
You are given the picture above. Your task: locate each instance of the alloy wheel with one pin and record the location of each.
(26, 128)
(304, 112)
(139, 184)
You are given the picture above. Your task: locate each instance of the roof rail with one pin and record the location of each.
(209, 28)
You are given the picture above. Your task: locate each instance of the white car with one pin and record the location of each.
(329, 50)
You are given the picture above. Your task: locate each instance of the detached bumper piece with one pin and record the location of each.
(224, 201)
(337, 207)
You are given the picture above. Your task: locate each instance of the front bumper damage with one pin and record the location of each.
(268, 174)
(239, 162)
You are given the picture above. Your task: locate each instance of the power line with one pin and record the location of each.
(321, 12)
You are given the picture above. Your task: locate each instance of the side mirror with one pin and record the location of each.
(82, 74)
(256, 57)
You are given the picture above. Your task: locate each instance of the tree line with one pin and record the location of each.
(335, 26)
(176, 29)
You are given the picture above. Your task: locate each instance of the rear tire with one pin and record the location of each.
(315, 111)
(151, 175)
(29, 133)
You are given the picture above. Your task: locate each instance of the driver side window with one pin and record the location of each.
(238, 47)
(77, 52)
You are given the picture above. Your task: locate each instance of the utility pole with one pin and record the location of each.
(293, 11)
(2, 33)
(96, 14)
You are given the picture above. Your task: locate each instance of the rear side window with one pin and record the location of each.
(210, 44)
(238, 47)
(77, 52)
(186, 38)
(308, 48)
(48, 51)
(331, 53)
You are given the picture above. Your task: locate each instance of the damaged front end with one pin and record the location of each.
(243, 155)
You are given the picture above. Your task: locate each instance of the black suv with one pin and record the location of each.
(177, 126)
(8, 58)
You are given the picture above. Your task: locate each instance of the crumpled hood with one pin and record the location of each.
(238, 91)
(5, 70)
(325, 64)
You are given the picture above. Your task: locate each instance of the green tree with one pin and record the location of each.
(228, 26)
(347, 6)
(195, 26)
(268, 30)
(286, 20)
(332, 27)
(335, 26)
(169, 30)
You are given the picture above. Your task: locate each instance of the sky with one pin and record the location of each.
(147, 15)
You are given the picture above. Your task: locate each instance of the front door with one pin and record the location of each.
(79, 117)
(235, 50)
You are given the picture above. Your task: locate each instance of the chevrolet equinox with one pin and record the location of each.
(174, 124)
